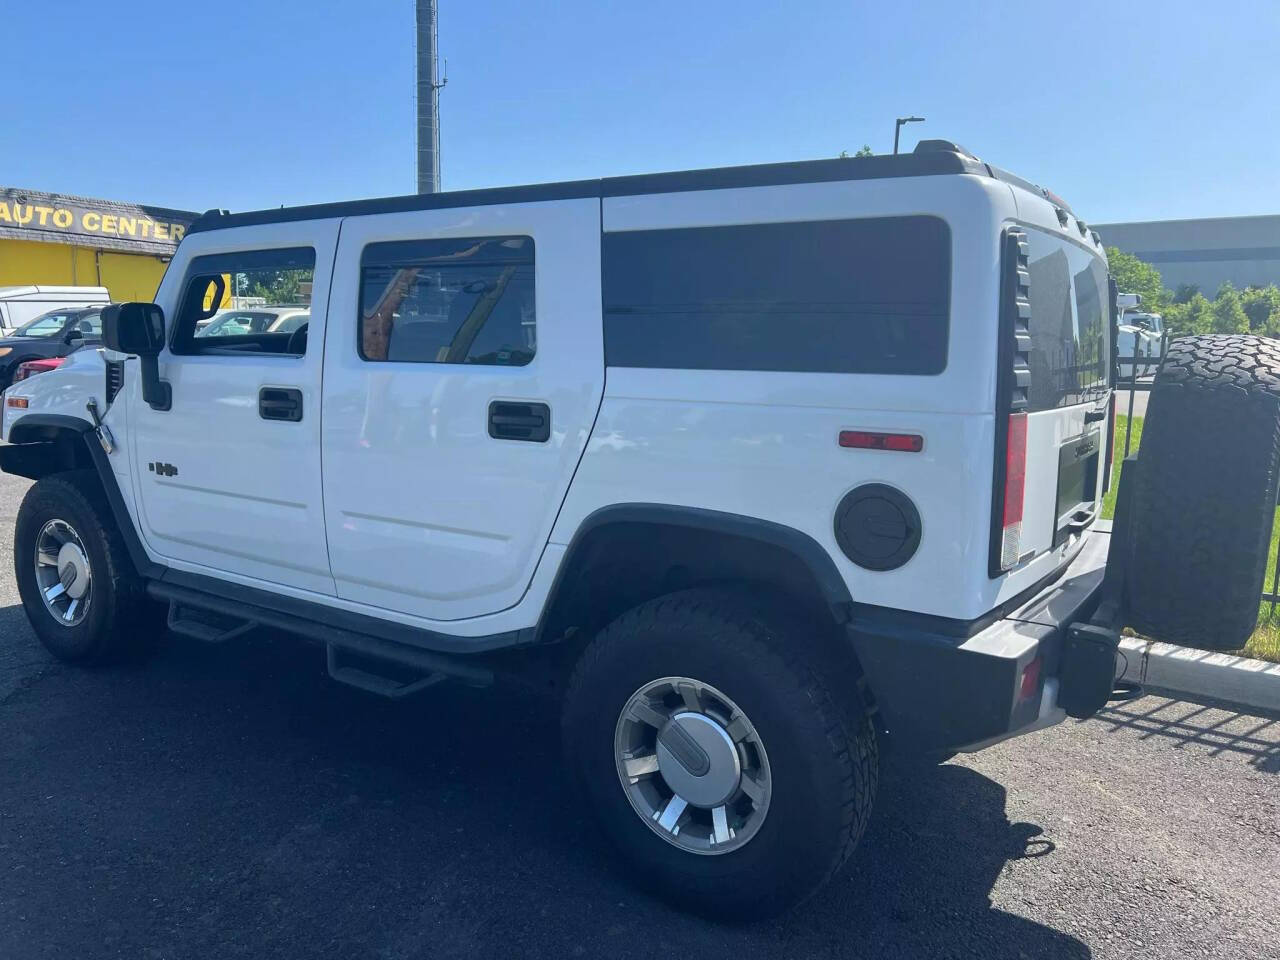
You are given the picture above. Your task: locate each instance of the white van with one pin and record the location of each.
(20, 304)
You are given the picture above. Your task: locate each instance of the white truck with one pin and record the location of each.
(771, 467)
(23, 303)
(1140, 338)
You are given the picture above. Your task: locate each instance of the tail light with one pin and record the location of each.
(30, 368)
(1015, 482)
(1013, 384)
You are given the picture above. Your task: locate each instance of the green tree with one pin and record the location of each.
(1228, 314)
(1137, 276)
(1194, 316)
(1185, 292)
(865, 151)
(278, 286)
(1261, 304)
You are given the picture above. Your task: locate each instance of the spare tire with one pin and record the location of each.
(1205, 497)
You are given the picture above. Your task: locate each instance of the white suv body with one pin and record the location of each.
(468, 531)
(826, 377)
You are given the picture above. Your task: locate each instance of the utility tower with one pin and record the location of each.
(428, 98)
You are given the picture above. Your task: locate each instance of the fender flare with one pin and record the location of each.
(802, 546)
(31, 438)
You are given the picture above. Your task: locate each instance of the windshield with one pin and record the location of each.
(45, 325)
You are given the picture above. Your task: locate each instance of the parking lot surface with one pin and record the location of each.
(232, 802)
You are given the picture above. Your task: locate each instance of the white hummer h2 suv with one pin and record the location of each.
(783, 464)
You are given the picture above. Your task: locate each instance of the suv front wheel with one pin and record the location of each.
(716, 761)
(78, 586)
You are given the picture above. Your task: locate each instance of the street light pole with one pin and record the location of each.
(897, 127)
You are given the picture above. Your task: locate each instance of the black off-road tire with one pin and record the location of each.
(120, 623)
(1205, 497)
(823, 754)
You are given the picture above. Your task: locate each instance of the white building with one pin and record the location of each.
(1208, 253)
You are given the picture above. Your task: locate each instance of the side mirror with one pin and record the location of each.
(138, 328)
(73, 335)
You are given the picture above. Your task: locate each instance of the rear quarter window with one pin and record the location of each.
(832, 296)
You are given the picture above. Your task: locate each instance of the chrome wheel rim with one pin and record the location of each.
(692, 765)
(63, 574)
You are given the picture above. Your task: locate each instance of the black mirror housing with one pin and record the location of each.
(136, 328)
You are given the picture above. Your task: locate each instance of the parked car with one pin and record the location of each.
(52, 334)
(19, 304)
(768, 469)
(30, 368)
(265, 319)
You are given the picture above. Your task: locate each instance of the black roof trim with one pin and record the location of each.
(924, 164)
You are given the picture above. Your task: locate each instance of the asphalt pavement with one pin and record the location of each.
(230, 801)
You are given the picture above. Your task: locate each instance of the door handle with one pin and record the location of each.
(280, 403)
(1081, 519)
(519, 421)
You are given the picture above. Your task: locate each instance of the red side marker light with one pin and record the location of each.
(865, 440)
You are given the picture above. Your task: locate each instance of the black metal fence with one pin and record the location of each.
(1141, 375)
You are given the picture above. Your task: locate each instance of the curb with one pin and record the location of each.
(1218, 676)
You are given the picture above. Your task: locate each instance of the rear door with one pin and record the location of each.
(464, 366)
(1067, 396)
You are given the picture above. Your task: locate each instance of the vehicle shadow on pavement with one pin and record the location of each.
(228, 801)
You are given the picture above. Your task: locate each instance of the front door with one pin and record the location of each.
(228, 478)
(464, 366)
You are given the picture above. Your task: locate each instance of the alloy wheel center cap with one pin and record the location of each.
(73, 570)
(698, 759)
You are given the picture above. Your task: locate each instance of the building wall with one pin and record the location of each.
(127, 276)
(1243, 251)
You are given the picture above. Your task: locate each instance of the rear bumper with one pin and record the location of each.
(940, 690)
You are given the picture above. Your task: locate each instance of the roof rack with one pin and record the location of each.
(930, 158)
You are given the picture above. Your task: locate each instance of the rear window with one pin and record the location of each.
(1070, 342)
(831, 296)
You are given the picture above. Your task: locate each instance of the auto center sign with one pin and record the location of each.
(58, 218)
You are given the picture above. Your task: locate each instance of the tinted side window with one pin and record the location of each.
(231, 300)
(448, 301)
(837, 296)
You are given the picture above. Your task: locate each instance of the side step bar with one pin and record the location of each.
(212, 618)
(205, 625)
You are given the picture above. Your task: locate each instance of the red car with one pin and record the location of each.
(30, 368)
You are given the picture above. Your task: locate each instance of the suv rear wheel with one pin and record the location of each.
(78, 586)
(714, 758)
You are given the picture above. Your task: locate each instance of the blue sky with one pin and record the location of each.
(1133, 109)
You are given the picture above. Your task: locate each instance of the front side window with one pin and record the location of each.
(448, 301)
(233, 303)
(90, 324)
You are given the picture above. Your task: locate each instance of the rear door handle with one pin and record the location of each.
(1081, 519)
(509, 420)
(280, 403)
